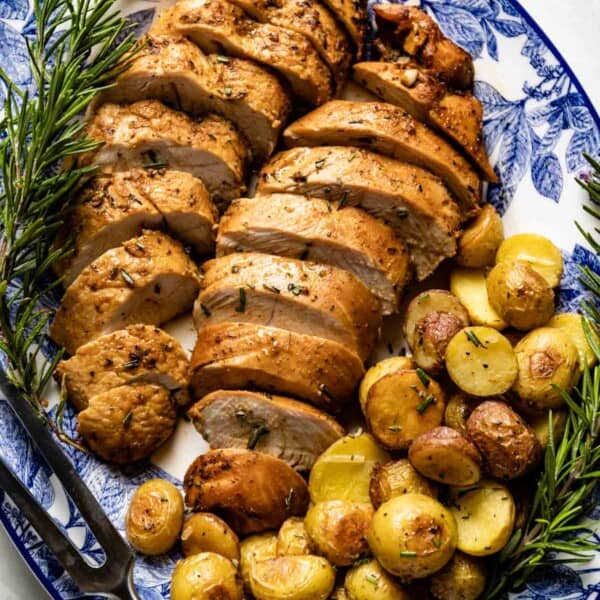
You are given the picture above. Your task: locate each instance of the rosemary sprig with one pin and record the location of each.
(73, 56)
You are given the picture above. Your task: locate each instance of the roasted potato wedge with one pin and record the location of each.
(481, 361)
(444, 455)
(508, 445)
(485, 517)
(396, 478)
(379, 370)
(540, 426)
(412, 536)
(338, 530)
(481, 239)
(535, 250)
(292, 539)
(368, 581)
(256, 548)
(401, 406)
(292, 578)
(469, 286)
(571, 324)
(463, 578)
(343, 471)
(250, 490)
(520, 295)
(154, 517)
(458, 409)
(205, 532)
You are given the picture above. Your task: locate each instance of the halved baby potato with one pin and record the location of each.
(484, 515)
(571, 324)
(458, 409)
(480, 240)
(379, 370)
(481, 361)
(463, 578)
(205, 532)
(256, 548)
(368, 581)
(444, 455)
(293, 539)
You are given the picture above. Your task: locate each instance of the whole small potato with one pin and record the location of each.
(412, 536)
(368, 581)
(458, 409)
(379, 370)
(155, 517)
(463, 578)
(540, 427)
(293, 539)
(396, 478)
(571, 324)
(509, 446)
(205, 576)
(205, 532)
(256, 548)
(520, 295)
(481, 239)
(338, 530)
(546, 357)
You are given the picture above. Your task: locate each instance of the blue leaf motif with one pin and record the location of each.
(479, 8)
(14, 9)
(492, 100)
(491, 42)
(13, 55)
(461, 26)
(558, 581)
(508, 28)
(548, 141)
(582, 141)
(547, 175)
(509, 9)
(571, 291)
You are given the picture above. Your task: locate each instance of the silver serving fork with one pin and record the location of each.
(114, 578)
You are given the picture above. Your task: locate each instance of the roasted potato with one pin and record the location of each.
(481, 239)
(458, 409)
(539, 425)
(396, 478)
(403, 405)
(469, 286)
(339, 594)
(485, 516)
(412, 536)
(379, 370)
(252, 491)
(205, 532)
(343, 471)
(293, 539)
(368, 581)
(256, 548)
(444, 455)
(292, 578)
(481, 361)
(463, 578)
(571, 324)
(508, 445)
(546, 358)
(535, 250)
(205, 576)
(154, 517)
(338, 530)
(520, 295)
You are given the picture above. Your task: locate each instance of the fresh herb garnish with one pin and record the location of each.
(408, 554)
(395, 428)
(296, 288)
(372, 579)
(127, 418)
(271, 288)
(258, 431)
(289, 499)
(227, 91)
(423, 298)
(425, 404)
(472, 337)
(241, 307)
(423, 377)
(222, 59)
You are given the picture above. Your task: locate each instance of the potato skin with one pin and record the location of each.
(570, 323)
(508, 445)
(154, 517)
(481, 239)
(458, 409)
(338, 530)
(463, 578)
(520, 295)
(261, 546)
(205, 532)
(369, 581)
(412, 536)
(379, 370)
(446, 456)
(205, 576)
(293, 539)
(252, 491)
(396, 478)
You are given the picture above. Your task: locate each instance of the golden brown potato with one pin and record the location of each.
(463, 578)
(205, 576)
(256, 548)
(458, 409)
(250, 490)
(368, 581)
(485, 517)
(481, 361)
(155, 517)
(469, 286)
(444, 455)
(520, 295)
(292, 578)
(412, 536)
(379, 370)
(508, 445)
(338, 530)
(535, 250)
(571, 324)
(293, 539)
(343, 471)
(546, 357)
(481, 239)
(539, 425)
(396, 478)
(205, 532)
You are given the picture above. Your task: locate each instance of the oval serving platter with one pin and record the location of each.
(538, 122)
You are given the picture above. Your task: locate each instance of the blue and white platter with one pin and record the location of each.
(538, 122)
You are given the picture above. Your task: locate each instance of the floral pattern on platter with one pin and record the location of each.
(535, 133)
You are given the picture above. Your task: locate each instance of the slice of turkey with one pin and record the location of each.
(353, 15)
(290, 294)
(385, 128)
(292, 431)
(310, 229)
(247, 356)
(415, 203)
(149, 279)
(148, 132)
